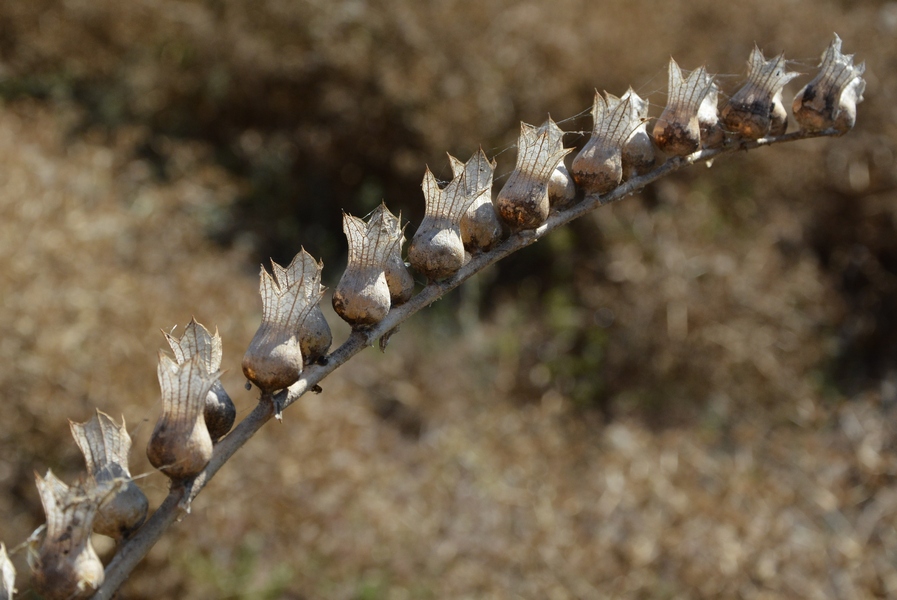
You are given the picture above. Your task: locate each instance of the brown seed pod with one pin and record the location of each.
(362, 295)
(830, 100)
(523, 201)
(481, 228)
(67, 567)
(7, 575)
(304, 275)
(638, 156)
(105, 446)
(677, 132)
(713, 134)
(598, 168)
(219, 412)
(436, 250)
(756, 110)
(561, 188)
(180, 445)
(398, 278)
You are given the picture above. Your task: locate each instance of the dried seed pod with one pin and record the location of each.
(561, 188)
(105, 446)
(639, 156)
(180, 445)
(480, 227)
(598, 168)
(7, 575)
(756, 109)
(830, 100)
(398, 278)
(219, 412)
(523, 201)
(436, 250)
(314, 333)
(713, 134)
(677, 132)
(274, 358)
(67, 566)
(362, 295)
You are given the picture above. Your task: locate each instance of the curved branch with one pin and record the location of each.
(175, 505)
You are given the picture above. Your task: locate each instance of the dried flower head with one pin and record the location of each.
(677, 132)
(523, 201)
(220, 412)
(362, 295)
(561, 187)
(436, 250)
(67, 566)
(304, 275)
(180, 445)
(756, 110)
(274, 358)
(639, 156)
(105, 446)
(598, 168)
(830, 100)
(398, 278)
(481, 228)
(713, 134)
(7, 575)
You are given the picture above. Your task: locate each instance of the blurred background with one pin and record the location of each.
(690, 394)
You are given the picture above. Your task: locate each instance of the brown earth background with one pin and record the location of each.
(690, 394)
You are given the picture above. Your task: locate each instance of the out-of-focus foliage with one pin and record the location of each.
(686, 394)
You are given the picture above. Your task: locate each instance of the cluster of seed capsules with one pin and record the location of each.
(461, 220)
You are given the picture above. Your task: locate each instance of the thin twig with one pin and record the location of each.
(135, 548)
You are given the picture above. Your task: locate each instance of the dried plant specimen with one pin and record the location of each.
(523, 201)
(180, 445)
(713, 134)
(398, 278)
(67, 566)
(304, 275)
(7, 575)
(219, 412)
(756, 110)
(105, 446)
(561, 188)
(274, 358)
(677, 132)
(830, 99)
(362, 296)
(638, 156)
(436, 250)
(598, 168)
(481, 228)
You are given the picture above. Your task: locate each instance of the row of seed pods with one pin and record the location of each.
(460, 219)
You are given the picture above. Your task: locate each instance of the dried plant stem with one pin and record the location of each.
(135, 548)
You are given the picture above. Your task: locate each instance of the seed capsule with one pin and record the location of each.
(7, 575)
(362, 295)
(67, 566)
(830, 100)
(713, 134)
(105, 446)
(756, 110)
(180, 445)
(523, 201)
(398, 278)
(304, 275)
(561, 187)
(219, 412)
(678, 132)
(598, 168)
(436, 250)
(481, 228)
(639, 156)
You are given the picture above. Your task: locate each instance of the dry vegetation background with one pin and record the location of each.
(688, 395)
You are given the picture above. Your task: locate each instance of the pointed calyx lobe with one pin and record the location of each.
(830, 99)
(598, 168)
(481, 228)
(219, 412)
(362, 296)
(756, 110)
(639, 156)
(105, 446)
(678, 132)
(274, 359)
(561, 187)
(398, 278)
(523, 201)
